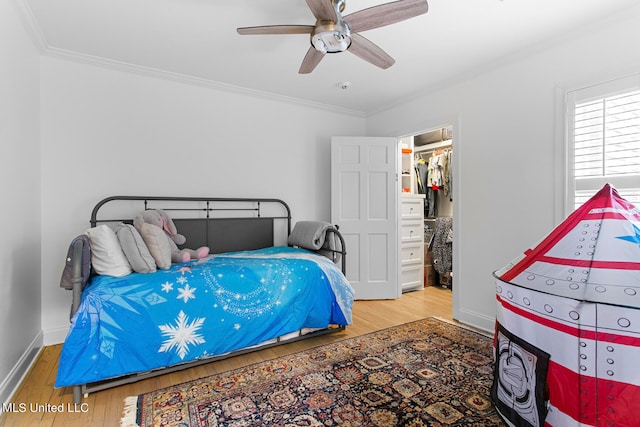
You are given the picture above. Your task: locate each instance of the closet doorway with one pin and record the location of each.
(427, 171)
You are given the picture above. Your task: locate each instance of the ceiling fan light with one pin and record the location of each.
(331, 41)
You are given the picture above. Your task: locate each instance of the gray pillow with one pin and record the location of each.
(158, 244)
(135, 249)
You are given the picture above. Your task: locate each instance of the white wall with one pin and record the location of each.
(108, 132)
(504, 149)
(20, 316)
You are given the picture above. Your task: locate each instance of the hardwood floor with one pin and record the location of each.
(37, 403)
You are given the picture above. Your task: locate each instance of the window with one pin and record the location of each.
(604, 140)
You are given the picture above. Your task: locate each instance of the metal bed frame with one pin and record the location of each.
(222, 224)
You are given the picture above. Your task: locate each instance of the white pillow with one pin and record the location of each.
(107, 257)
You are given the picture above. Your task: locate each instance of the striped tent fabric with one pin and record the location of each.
(567, 340)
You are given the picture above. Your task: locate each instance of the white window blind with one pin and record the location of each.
(604, 140)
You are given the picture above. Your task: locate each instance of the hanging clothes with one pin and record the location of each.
(434, 174)
(431, 203)
(421, 174)
(447, 174)
(443, 245)
(437, 164)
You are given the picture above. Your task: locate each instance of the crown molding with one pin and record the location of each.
(609, 21)
(45, 48)
(191, 80)
(31, 25)
(83, 58)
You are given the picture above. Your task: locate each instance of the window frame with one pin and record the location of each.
(565, 152)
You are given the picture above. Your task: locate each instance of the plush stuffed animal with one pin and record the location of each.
(161, 219)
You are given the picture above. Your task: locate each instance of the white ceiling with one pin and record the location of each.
(198, 39)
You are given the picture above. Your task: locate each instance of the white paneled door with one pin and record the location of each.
(364, 204)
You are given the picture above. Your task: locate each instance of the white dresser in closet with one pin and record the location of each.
(411, 241)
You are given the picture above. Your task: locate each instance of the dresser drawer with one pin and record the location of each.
(412, 254)
(412, 208)
(412, 277)
(412, 231)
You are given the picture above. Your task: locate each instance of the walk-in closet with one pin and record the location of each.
(427, 183)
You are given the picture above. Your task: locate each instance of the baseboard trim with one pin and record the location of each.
(477, 320)
(55, 336)
(14, 379)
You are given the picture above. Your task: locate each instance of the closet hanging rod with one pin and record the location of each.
(433, 146)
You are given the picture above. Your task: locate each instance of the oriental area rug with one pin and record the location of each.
(425, 373)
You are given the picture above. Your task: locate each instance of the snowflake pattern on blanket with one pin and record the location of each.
(199, 309)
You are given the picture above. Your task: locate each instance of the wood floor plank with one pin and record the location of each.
(105, 408)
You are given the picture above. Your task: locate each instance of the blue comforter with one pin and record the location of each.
(199, 309)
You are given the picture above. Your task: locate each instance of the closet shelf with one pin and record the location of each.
(433, 146)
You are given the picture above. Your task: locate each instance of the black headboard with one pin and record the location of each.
(222, 224)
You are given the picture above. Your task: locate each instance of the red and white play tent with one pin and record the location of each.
(567, 338)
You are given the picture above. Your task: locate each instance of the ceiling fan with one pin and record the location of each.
(333, 33)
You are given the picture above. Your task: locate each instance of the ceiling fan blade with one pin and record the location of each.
(276, 29)
(310, 61)
(323, 10)
(370, 52)
(385, 14)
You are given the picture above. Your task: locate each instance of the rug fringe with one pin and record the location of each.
(129, 413)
